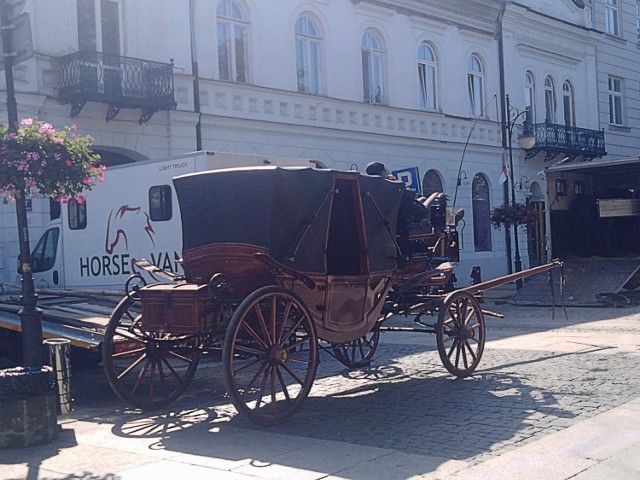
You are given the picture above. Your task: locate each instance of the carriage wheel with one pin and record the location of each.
(460, 333)
(146, 369)
(358, 353)
(270, 355)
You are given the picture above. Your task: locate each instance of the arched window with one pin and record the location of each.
(233, 54)
(427, 77)
(550, 102)
(431, 183)
(475, 84)
(530, 94)
(481, 213)
(569, 104)
(373, 68)
(309, 56)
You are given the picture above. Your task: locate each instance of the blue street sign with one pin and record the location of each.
(410, 177)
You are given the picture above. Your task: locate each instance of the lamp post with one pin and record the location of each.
(30, 315)
(526, 141)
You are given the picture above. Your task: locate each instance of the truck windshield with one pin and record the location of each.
(43, 256)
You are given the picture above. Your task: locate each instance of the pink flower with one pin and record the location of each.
(26, 121)
(46, 129)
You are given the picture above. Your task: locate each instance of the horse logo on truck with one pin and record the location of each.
(129, 236)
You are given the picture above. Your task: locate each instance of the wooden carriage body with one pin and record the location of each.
(244, 229)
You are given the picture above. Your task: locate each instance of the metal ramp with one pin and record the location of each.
(79, 318)
(590, 282)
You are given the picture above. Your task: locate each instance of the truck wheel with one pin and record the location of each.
(146, 369)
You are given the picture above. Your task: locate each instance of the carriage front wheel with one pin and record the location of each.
(270, 354)
(146, 369)
(460, 333)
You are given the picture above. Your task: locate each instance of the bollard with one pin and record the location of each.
(59, 350)
(27, 407)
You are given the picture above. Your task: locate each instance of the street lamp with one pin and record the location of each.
(30, 315)
(526, 141)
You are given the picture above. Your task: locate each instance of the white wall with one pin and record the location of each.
(269, 116)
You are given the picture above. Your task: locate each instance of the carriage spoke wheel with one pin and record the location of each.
(359, 352)
(270, 355)
(146, 369)
(460, 333)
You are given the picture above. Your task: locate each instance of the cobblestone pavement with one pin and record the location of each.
(406, 401)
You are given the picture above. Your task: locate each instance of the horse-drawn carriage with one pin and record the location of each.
(280, 264)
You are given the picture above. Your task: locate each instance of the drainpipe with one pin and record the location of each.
(504, 121)
(196, 75)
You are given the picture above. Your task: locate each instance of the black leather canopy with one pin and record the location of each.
(301, 215)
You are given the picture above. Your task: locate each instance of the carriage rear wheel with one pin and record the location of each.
(146, 369)
(359, 352)
(270, 355)
(460, 333)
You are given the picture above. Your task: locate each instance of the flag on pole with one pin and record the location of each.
(505, 170)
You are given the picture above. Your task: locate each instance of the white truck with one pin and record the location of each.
(133, 214)
(91, 249)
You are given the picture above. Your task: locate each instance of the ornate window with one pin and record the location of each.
(99, 26)
(233, 54)
(373, 68)
(431, 183)
(611, 20)
(530, 93)
(615, 101)
(308, 56)
(481, 213)
(475, 84)
(427, 77)
(569, 104)
(550, 101)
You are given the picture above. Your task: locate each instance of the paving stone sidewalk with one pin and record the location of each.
(404, 417)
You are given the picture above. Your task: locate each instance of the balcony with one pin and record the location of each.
(119, 82)
(572, 142)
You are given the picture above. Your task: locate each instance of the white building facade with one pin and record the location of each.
(410, 83)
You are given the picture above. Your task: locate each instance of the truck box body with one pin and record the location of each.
(133, 214)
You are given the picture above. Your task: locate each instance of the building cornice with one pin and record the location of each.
(471, 15)
(556, 19)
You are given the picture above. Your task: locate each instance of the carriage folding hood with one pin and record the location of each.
(120, 227)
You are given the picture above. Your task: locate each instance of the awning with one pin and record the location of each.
(618, 165)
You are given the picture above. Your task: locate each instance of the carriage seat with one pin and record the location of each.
(238, 263)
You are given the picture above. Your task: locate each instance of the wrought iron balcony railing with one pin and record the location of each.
(572, 142)
(120, 82)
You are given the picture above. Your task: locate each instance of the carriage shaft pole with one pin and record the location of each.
(496, 282)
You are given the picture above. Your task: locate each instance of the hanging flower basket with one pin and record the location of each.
(40, 161)
(513, 214)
